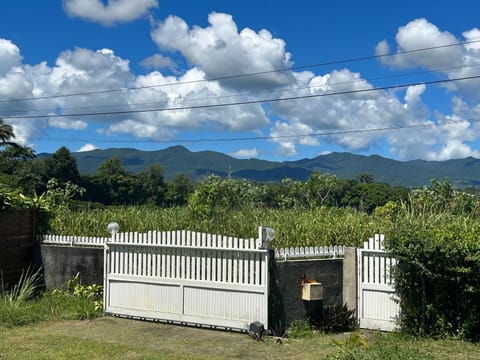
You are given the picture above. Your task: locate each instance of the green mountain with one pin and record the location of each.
(177, 159)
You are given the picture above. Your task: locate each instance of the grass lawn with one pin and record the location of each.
(116, 338)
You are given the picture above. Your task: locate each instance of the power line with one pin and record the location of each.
(247, 102)
(229, 77)
(13, 112)
(271, 137)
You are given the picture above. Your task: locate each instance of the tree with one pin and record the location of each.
(114, 184)
(365, 178)
(14, 161)
(111, 167)
(153, 185)
(178, 190)
(63, 166)
(6, 133)
(318, 189)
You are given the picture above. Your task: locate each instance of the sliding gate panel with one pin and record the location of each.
(187, 277)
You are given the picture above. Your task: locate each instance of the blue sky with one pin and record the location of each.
(133, 57)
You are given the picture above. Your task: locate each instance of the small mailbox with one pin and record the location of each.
(312, 291)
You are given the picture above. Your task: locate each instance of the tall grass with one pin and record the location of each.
(23, 290)
(13, 302)
(293, 227)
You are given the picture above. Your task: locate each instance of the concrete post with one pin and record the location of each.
(350, 278)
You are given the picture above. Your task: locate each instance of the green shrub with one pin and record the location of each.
(438, 276)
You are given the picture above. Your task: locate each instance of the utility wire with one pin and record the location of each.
(229, 77)
(234, 95)
(247, 102)
(270, 137)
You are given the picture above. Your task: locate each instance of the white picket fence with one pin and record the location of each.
(222, 281)
(65, 240)
(280, 253)
(188, 277)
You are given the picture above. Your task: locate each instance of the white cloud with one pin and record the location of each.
(219, 49)
(9, 56)
(64, 123)
(115, 11)
(326, 152)
(336, 116)
(222, 50)
(453, 61)
(287, 134)
(245, 153)
(420, 34)
(87, 147)
(158, 61)
(348, 120)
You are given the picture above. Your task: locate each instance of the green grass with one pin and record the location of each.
(48, 327)
(116, 338)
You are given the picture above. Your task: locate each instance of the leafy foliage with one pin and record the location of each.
(63, 166)
(89, 297)
(437, 245)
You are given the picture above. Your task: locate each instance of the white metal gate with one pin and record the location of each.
(188, 277)
(378, 306)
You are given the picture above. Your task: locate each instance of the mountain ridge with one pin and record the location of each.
(178, 159)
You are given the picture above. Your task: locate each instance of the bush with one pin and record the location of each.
(438, 276)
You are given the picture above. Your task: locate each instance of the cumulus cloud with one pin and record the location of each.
(158, 61)
(221, 50)
(245, 153)
(335, 115)
(114, 12)
(453, 61)
(9, 56)
(349, 121)
(62, 123)
(81, 71)
(87, 147)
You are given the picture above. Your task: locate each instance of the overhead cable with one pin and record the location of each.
(236, 76)
(247, 102)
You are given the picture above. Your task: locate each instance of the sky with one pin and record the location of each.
(275, 80)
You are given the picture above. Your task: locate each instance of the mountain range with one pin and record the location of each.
(196, 165)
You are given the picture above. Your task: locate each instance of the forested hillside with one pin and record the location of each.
(196, 165)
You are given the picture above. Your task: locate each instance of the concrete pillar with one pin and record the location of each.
(350, 278)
